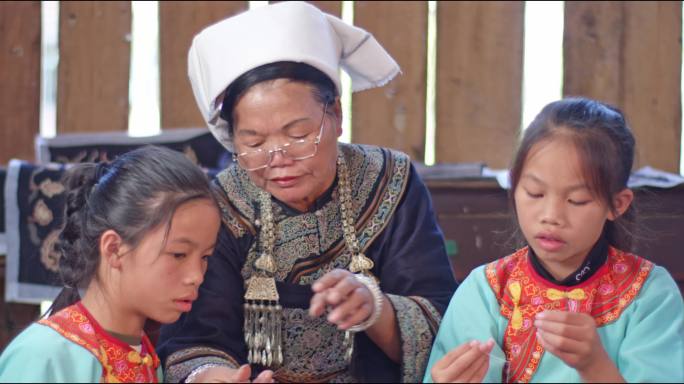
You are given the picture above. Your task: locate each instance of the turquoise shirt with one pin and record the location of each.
(41, 354)
(646, 342)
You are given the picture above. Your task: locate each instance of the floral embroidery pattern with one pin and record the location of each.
(119, 363)
(521, 296)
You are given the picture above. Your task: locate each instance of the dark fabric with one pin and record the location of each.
(204, 149)
(594, 260)
(40, 204)
(409, 256)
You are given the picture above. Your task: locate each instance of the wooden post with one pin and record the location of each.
(479, 81)
(629, 54)
(179, 22)
(94, 62)
(20, 79)
(394, 115)
(331, 7)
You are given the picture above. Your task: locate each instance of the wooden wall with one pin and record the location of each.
(625, 53)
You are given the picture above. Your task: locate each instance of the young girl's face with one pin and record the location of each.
(559, 217)
(163, 285)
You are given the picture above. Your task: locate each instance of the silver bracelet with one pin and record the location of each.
(377, 303)
(195, 372)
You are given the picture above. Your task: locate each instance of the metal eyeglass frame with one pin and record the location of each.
(283, 148)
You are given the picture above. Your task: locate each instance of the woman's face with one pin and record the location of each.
(274, 113)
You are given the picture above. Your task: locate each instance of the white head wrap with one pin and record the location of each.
(286, 31)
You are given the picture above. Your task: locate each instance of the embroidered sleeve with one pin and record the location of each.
(180, 364)
(418, 320)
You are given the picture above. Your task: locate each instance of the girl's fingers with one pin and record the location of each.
(467, 359)
(479, 375)
(569, 331)
(559, 344)
(451, 356)
(470, 373)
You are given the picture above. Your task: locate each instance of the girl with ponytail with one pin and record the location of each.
(137, 237)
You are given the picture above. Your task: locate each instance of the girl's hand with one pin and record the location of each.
(467, 363)
(351, 301)
(573, 338)
(230, 375)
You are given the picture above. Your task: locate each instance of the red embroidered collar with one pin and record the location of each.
(120, 362)
(522, 293)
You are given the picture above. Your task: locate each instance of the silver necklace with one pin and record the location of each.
(262, 327)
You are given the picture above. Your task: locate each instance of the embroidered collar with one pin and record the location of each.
(598, 255)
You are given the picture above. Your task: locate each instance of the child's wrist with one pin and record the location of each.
(600, 369)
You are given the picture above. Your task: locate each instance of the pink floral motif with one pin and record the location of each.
(606, 289)
(527, 324)
(120, 366)
(87, 328)
(620, 267)
(515, 349)
(537, 300)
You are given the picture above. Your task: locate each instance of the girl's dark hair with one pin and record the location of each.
(323, 88)
(605, 147)
(136, 193)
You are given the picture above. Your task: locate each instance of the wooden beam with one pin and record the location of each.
(94, 62)
(20, 78)
(479, 81)
(629, 54)
(394, 115)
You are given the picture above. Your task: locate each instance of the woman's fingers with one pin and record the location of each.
(329, 280)
(264, 377)
(344, 287)
(317, 304)
(351, 304)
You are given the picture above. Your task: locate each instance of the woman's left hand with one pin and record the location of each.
(351, 302)
(572, 337)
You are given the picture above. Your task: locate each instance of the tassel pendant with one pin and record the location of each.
(262, 325)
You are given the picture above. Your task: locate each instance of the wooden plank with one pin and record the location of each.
(629, 54)
(331, 7)
(394, 115)
(179, 22)
(94, 62)
(479, 81)
(20, 78)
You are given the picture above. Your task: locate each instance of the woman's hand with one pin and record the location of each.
(351, 301)
(573, 338)
(468, 363)
(230, 375)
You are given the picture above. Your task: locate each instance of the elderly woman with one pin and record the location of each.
(330, 265)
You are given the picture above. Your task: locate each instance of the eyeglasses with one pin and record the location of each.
(295, 150)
